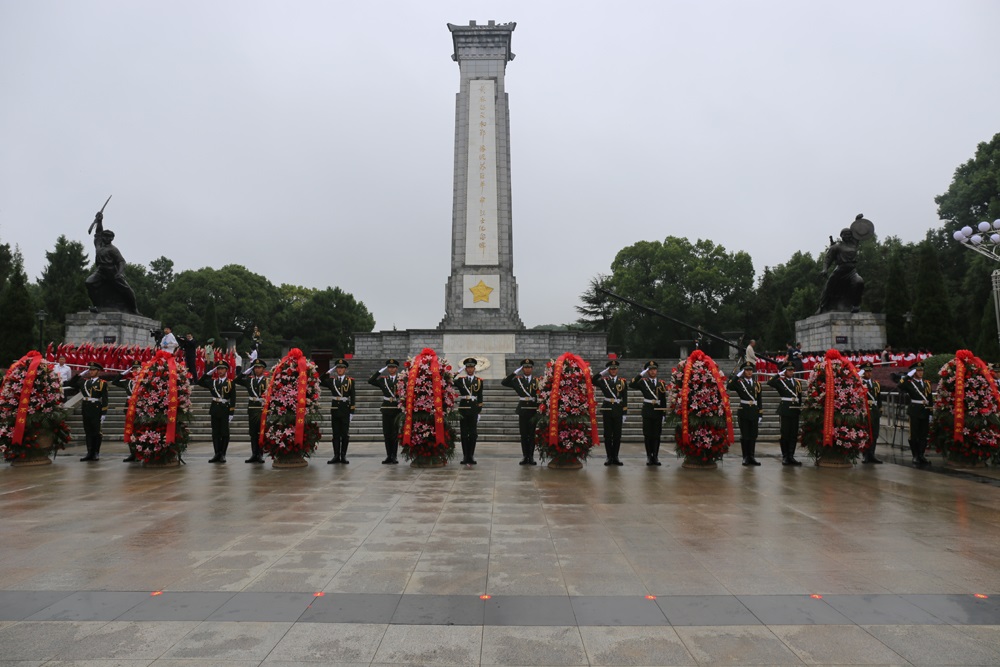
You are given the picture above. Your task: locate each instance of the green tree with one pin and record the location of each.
(796, 284)
(932, 326)
(210, 325)
(327, 320)
(779, 331)
(18, 333)
(896, 302)
(62, 285)
(142, 284)
(6, 263)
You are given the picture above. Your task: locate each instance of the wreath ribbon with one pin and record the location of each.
(172, 401)
(431, 357)
(27, 389)
(828, 408)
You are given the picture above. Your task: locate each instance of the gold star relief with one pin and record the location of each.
(481, 292)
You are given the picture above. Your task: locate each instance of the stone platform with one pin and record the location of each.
(842, 331)
(98, 328)
(367, 564)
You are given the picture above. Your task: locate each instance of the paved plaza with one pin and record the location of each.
(214, 565)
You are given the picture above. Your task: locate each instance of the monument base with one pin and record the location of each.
(110, 327)
(842, 331)
(498, 352)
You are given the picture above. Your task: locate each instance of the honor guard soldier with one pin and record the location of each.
(526, 387)
(222, 409)
(614, 408)
(95, 405)
(127, 381)
(873, 391)
(341, 408)
(918, 391)
(470, 405)
(790, 392)
(386, 380)
(748, 389)
(654, 406)
(256, 386)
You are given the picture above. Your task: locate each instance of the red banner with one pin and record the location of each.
(26, 390)
(171, 435)
(438, 400)
(300, 401)
(828, 409)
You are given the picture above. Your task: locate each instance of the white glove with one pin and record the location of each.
(350, 418)
(624, 417)
(103, 417)
(477, 418)
(759, 420)
(382, 370)
(518, 370)
(230, 418)
(644, 372)
(605, 372)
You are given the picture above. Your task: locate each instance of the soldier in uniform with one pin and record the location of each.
(341, 408)
(526, 387)
(748, 389)
(256, 386)
(386, 380)
(873, 392)
(790, 392)
(918, 391)
(222, 409)
(94, 408)
(470, 405)
(654, 405)
(614, 408)
(127, 382)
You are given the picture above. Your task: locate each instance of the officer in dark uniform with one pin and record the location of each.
(526, 387)
(223, 406)
(614, 408)
(789, 407)
(918, 391)
(873, 391)
(654, 406)
(94, 408)
(341, 408)
(470, 405)
(256, 386)
(127, 381)
(749, 392)
(386, 380)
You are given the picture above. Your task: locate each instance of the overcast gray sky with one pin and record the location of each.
(312, 141)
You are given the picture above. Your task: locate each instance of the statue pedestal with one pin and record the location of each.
(99, 328)
(842, 331)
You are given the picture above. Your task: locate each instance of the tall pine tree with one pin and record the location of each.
(932, 327)
(62, 285)
(17, 333)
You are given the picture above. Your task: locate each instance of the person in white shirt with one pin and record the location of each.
(169, 341)
(63, 370)
(751, 355)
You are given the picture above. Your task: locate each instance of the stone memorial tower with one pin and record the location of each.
(481, 292)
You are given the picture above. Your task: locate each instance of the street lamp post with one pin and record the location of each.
(41, 315)
(985, 240)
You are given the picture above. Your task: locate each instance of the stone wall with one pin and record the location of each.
(857, 331)
(126, 329)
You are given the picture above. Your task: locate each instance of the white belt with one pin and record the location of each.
(749, 402)
(221, 400)
(612, 400)
(341, 398)
(919, 402)
(255, 400)
(650, 400)
(527, 398)
(93, 400)
(787, 399)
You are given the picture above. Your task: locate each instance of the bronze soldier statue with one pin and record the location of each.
(844, 286)
(108, 289)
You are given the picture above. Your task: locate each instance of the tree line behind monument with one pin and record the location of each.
(934, 293)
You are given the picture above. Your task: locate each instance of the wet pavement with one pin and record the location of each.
(367, 564)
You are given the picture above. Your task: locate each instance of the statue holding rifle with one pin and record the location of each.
(108, 289)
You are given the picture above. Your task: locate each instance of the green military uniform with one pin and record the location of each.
(127, 381)
(223, 406)
(341, 409)
(390, 408)
(789, 406)
(470, 405)
(614, 408)
(526, 387)
(654, 406)
(873, 394)
(256, 386)
(918, 391)
(93, 409)
(749, 413)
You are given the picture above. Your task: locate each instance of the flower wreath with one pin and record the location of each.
(698, 403)
(289, 422)
(566, 427)
(159, 409)
(31, 409)
(966, 425)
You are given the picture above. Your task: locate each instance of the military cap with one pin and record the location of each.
(528, 362)
(222, 364)
(994, 368)
(259, 364)
(136, 364)
(471, 361)
(94, 366)
(917, 365)
(391, 362)
(341, 363)
(651, 364)
(787, 366)
(867, 366)
(612, 364)
(749, 367)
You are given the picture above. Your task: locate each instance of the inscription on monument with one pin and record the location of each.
(481, 245)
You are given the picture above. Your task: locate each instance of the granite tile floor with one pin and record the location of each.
(110, 564)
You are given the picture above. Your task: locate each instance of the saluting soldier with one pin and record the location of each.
(386, 379)
(526, 387)
(341, 408)
(470, 405)
(614, 408)
(873, 391)
(94, 409)
(654, 405)
(789, 407)
(127, 381)
(918, 390)
(748, 389)
(256, 386)
(223, 406)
